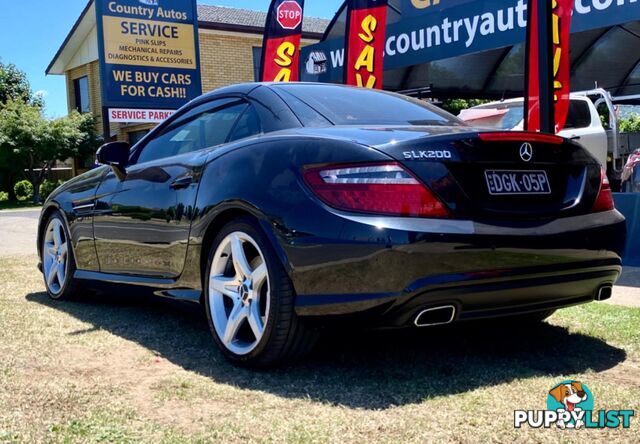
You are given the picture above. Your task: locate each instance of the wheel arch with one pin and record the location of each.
(46, 213)
(229, 214)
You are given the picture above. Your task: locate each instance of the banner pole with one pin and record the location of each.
(106, 127)
(545, 65)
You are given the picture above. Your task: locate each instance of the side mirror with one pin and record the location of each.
(116, 155)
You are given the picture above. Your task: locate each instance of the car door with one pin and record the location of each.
(584, 126)
(142, 223)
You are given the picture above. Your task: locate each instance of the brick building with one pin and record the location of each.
(230, 42)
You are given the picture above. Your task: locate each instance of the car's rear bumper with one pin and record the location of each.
(474, 295)
(482, 275)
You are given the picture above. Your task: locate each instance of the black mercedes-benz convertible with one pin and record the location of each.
(283, 207)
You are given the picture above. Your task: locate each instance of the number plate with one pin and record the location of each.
(502, 182)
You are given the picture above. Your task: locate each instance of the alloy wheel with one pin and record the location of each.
(239, 293)
(55, 254)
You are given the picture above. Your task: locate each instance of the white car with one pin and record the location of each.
(583, 123)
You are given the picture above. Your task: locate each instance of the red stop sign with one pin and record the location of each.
(289, 14)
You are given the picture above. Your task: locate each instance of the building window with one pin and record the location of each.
(81, 92)
(136, 136)
(257, 62)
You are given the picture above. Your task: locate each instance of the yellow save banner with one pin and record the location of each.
(130, 41)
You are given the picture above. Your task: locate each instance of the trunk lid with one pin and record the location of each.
(454, 162)
(503, 175)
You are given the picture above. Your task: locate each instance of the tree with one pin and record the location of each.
(29, 139)
(13, 86)
(631, 124)
(454, 106)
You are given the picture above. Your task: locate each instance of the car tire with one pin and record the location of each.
(58, 260)
(250, 300)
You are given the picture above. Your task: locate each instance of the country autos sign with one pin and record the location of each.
(149, 57)
(435, 30)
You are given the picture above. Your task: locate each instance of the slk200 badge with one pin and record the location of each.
(427, 155)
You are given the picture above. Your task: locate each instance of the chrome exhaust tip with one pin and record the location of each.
(436, 316)
(605, 292)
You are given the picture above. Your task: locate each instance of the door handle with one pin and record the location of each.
(182, 182)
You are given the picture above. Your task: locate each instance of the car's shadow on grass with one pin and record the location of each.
(360, 370)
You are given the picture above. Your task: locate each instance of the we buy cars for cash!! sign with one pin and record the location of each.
(149, 56)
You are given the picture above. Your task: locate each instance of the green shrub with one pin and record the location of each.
(4, 196)
(23, 190)
(455, 106)
(630, 124)
(47, 187)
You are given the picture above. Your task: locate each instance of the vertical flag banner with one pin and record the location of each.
(281, 43)
(365, 40)
(555, 56)
(561, 29)
(532, 71)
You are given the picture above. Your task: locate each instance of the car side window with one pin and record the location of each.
(248, 125)
(204, 127)
(579, 115)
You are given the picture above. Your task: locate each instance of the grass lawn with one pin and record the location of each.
(120, 369)
(14, 205)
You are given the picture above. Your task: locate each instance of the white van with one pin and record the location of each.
(583, 123)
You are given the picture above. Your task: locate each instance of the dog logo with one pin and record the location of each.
(570, 396)
(570, 406)
(526, 152)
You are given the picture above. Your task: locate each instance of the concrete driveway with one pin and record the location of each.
(19, 229)
(627, 292)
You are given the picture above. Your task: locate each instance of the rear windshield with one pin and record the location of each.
(359, 106)
(579, 115)
(508, 121)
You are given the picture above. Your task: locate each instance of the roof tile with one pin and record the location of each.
(245, 17)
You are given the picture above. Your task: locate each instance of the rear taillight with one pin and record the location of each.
(374, 188)
(521, 136)
(604, 201)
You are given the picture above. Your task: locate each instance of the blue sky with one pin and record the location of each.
(32, 31)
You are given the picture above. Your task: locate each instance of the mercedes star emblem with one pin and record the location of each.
(526, 152)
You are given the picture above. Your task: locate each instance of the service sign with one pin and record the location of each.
(149, 56)
(125, 115)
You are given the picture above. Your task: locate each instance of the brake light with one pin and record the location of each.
(520, 136)
(374, 188)
(604, 201)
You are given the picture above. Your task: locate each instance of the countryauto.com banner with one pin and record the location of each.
(458, 27)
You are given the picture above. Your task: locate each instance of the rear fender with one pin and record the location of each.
(273, 191)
